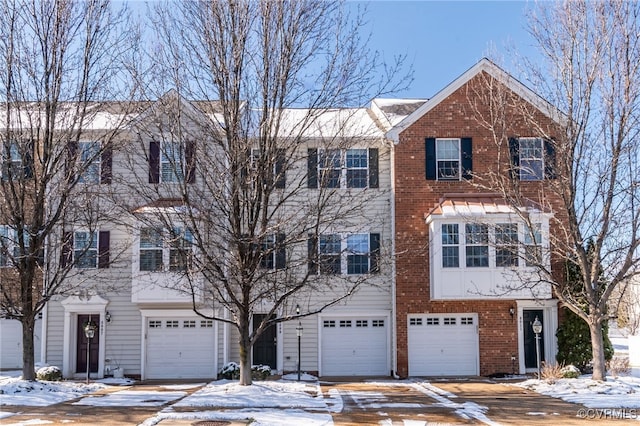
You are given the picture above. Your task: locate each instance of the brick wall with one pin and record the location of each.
(454, 117)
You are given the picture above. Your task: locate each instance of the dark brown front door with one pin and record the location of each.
(81, 348)
(264, 350)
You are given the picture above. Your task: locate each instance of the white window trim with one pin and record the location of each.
(526, 174)
(85, 250)
(176, 165)
(345, 253)
(522, 230)
(343, 167)
(166, 247)
(459, 172)
(96, 161)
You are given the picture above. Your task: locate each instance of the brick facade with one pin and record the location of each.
(415, 196)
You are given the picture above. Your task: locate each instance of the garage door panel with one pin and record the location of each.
(354, 346)
(443, 344)
(180, 348)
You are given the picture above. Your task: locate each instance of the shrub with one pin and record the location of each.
(570, 372)
(574, 342)
(49, 373)
(231, 371)
(618, 366)
(550, 372)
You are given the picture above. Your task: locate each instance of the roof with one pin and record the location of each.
(161, 204)
(479, 204)
(484, 65)
(340, 122)
(390, 112)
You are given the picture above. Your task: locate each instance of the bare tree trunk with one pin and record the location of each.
(28, 363)
(597, 346)
(245, 357)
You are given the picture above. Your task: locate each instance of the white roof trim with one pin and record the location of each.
(492, 69)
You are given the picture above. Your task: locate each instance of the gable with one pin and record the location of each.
(492, 70)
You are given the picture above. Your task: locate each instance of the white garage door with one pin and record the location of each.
(11, 343)
(443, 344)
(354, 346)
(180, 348)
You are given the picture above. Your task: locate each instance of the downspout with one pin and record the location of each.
(392, 199)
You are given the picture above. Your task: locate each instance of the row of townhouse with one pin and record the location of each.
(433, 248)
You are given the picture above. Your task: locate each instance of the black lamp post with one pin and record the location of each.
(537, 329)
(89, 331)
(299, 334)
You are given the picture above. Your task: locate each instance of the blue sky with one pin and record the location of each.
(442, 39)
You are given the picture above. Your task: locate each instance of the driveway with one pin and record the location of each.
(374, 402)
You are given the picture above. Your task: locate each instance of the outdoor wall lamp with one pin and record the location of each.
(512, 311)
(108, 316)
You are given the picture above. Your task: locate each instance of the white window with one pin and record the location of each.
(330, 254)
(357, 169)
(350, 254)
(330, 168)
(180, 249)
(151, 248)
(159, 248)
(450, 245)
(9, 245)
(531, 152)
(357, 254)
(448, 159)
(533, 244)
(90, 162)
(477, 244)
(85, 249)
(506, 235)
(172, 162)
(11, 160)
(343, 168)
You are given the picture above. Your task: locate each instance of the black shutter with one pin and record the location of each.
(104, 238)
(281, 253)
(72, 152)
(27, 160)
(466, 148)
(430, 158)
(190, 159)
(66, 254)
(312, 168)
(549, 159)
(154, 162)
(312, 249)
(374, 253)
(280, 173)
(373, 168)
(106, 163)
(514, 154)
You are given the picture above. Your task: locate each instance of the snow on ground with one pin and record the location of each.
(289, 402)
(282, 402)
(267, 394)
(16, 391)
(620, 392)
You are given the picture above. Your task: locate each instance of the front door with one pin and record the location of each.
(84, 344)
(264, 350)
(528, 317)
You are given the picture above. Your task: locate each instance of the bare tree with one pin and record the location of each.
(59, 62)
(263, 229)
(591, 52)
